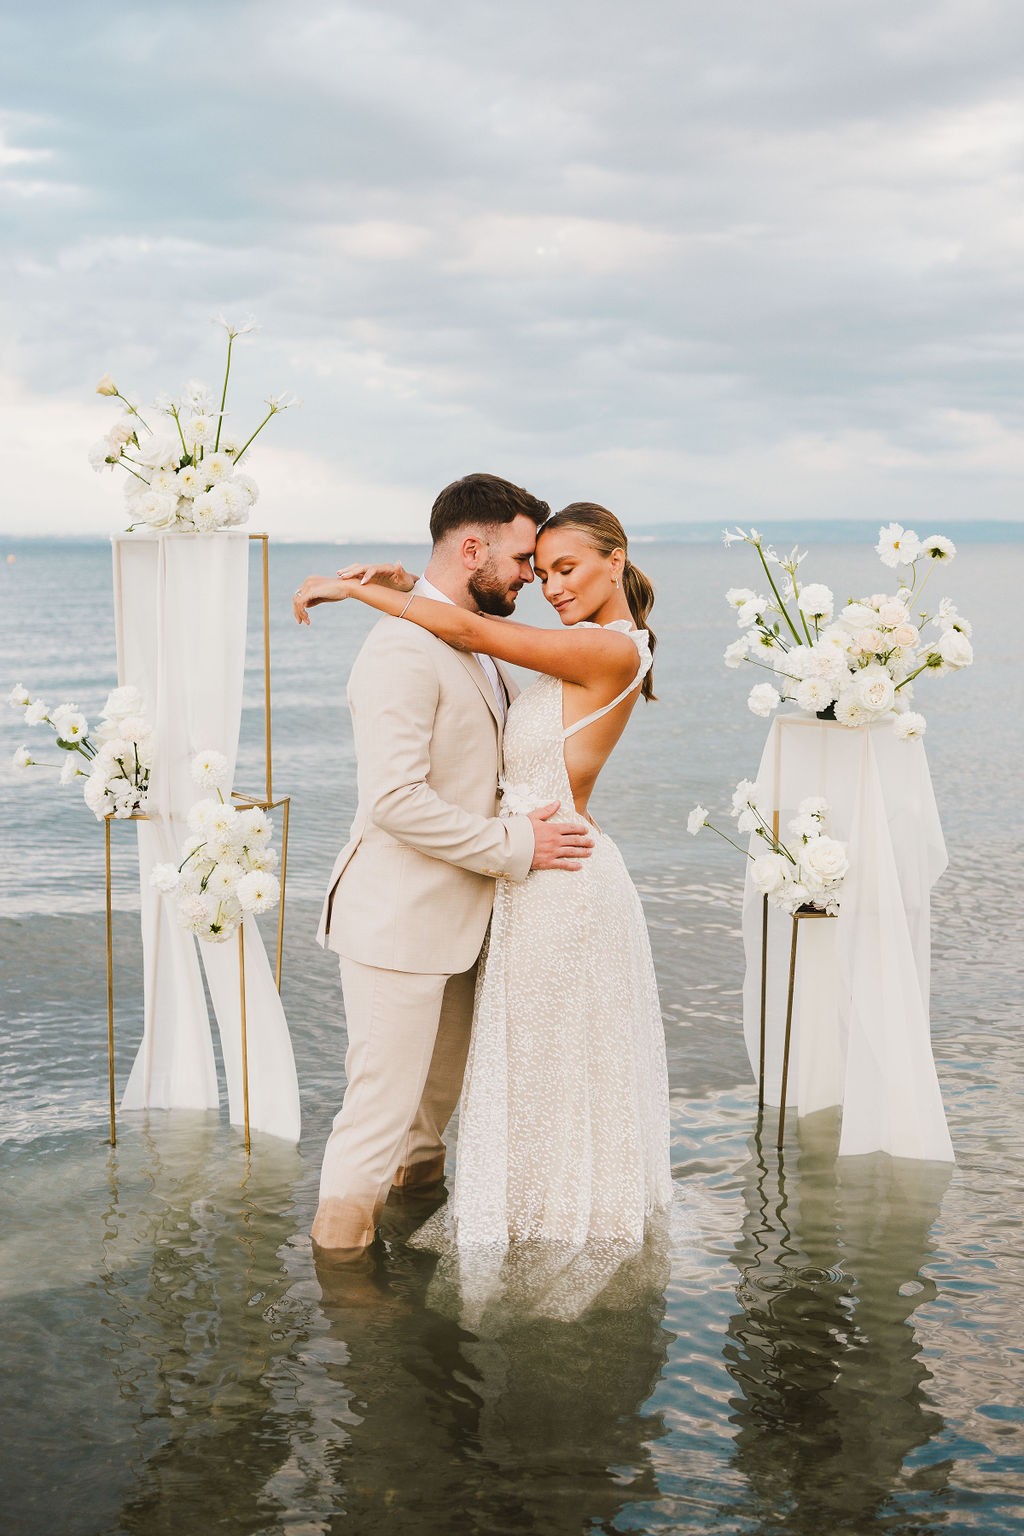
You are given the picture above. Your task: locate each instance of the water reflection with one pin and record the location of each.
(831, 1388)
(539, 1428)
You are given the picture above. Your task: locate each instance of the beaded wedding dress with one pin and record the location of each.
(563, 1147)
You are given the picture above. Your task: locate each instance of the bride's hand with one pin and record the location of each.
(394, 576)
(315, 590)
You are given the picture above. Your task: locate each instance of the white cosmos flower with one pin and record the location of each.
(816, 601)
(69, 723)
(948, 618)
(165, 877)
(19, 697)
(259, 891)
(815, 693)
(36, 712)
(210, 770)
(737, 596)
(897, 545)
(697, 818)
(763, 698)
(736, 652)
(938, 547)
(909, 727)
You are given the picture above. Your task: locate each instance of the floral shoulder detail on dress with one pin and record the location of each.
(640, 637)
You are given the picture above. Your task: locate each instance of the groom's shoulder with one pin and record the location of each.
(390, 639)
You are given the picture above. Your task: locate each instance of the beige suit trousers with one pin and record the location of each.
(408, 1038)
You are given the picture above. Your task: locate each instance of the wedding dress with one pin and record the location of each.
(563, 1146)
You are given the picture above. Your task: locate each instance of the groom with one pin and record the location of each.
(411, 892)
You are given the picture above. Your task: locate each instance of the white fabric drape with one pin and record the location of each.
(180, 605)
(861, 1033)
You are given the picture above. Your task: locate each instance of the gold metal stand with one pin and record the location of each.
(266, 802)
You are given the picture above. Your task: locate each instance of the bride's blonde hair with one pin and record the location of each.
(605, 533)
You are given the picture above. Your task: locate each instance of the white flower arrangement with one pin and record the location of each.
(115, 763)
(183, 473)
(857, 664)
(227, 868)
(807, 874)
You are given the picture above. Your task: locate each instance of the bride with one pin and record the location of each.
(563, 1146)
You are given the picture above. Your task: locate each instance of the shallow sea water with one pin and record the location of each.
(836, 1342)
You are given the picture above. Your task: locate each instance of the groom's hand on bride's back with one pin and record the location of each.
(557, 845)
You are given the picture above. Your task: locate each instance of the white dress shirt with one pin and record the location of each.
(425, 588)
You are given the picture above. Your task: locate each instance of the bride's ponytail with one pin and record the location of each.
(603, 530)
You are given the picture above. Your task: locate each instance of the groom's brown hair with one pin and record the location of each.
(482, 499)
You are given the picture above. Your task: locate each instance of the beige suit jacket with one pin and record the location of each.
(412, 889)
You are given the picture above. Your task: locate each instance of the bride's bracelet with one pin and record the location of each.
(405, 610)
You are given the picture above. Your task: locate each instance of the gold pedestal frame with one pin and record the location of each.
(266, 802)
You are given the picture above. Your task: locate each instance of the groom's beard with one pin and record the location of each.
(492, 596)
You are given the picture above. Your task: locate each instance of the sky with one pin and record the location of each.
(728, 261)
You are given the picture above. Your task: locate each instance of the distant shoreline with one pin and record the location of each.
(782, 532)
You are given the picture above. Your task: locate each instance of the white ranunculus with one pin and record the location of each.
(938, 548)
(752, 610)
(258, 891)
(763, 698)
(954, 648)
(825, 859)
(697, 818)
(816, 601)
(19, 697)
(909, 727)
(769, 872)
(897, 546)
(165, 877)
(874, 689)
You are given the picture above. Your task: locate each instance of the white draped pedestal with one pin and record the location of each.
(861, 1033)
(181, 609)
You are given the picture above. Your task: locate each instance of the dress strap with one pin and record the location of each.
(639, 637)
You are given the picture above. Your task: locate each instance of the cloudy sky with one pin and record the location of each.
(725, 261)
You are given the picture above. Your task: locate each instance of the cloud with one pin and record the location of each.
(771, 254)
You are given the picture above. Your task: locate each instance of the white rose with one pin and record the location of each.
(825, 859)
(157, 508)
(955, 649)
(874, 689)
(906, 635)
(891, 612)
(769, 872)
(869, 642)
(763, 698)
(857, 616)
(159, 451)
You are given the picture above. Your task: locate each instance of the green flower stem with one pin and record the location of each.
(224, 392)
(778, 598)
(924, 667)
(177, 423)
(133, 410)
(272, 412)
(725, 837)
(125, 465)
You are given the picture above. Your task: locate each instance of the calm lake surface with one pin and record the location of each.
(837, 1343)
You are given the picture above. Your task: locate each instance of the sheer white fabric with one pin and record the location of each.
(861, 1034)
(180, 610)
(563, 1150)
